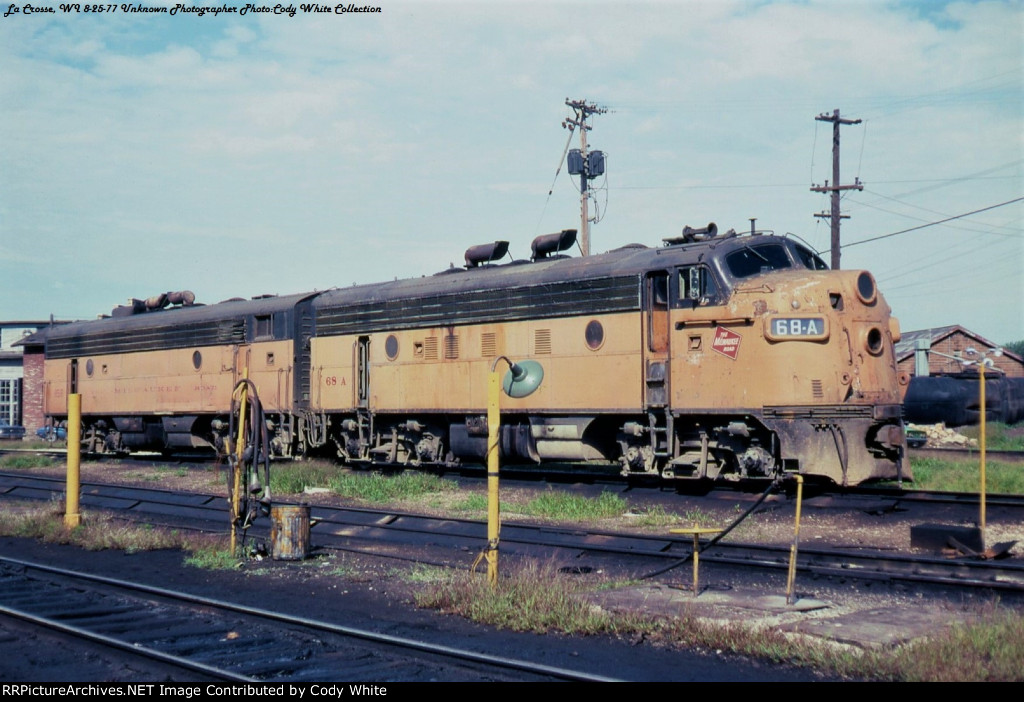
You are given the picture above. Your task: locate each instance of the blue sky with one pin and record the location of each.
(242, 155)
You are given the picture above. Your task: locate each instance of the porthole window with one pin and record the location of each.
(197, 360)
(594, 335)
(88, 367)
(391, 347)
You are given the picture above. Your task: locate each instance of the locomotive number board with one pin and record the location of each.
(802, 328)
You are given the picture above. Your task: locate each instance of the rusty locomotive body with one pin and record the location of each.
(709, 357)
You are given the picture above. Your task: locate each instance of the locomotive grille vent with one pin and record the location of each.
(816, 389)
(488, 345)
(542, 341)
(229, 331)
(430, 348)
(451, 346)
(560, 299)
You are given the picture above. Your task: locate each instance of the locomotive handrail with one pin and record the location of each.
(712, 321)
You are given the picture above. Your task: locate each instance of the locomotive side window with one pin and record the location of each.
(754, 260)
(264, 326)
(697, 286)
(391, 347)
(594, 335)
(810, 259)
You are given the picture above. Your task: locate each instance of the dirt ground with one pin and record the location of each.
(370, 594)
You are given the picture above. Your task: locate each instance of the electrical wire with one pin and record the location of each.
(932, 224)
(554, 180)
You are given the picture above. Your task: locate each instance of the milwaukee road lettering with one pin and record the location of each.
(726, 342)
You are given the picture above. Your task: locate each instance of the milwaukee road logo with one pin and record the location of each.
(726, 342)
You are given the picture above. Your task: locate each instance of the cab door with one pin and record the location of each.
(656, 338)
(363, 372)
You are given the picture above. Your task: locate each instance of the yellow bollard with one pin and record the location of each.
(984, 412)
(236, 471)
(493, 505)
(796, 540)
(696, 532)
(72, 515)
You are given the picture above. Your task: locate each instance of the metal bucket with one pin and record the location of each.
(289, 532)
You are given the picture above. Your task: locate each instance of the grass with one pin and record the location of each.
(24, 462)
(990, 649)
(998, 436)
(964, 476)
(98, 531)
(213, 558)
(562, 505)
(577, 508)
(655, 516)
(294, 478)
(538, 599)
(381, 488)
(41, 444)
(474, 502)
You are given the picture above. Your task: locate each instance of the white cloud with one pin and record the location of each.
(364, 147)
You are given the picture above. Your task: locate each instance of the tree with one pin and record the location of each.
(1016, 347)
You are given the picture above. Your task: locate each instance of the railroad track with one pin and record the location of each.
(394, 534)
(224, 641)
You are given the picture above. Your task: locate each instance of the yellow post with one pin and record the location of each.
(981, 375)
(796, 540)
(493, 507)
(72, 515)
(236, 471)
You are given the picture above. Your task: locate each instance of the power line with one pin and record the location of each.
(932, 224)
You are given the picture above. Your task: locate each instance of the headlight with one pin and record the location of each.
(866, 289)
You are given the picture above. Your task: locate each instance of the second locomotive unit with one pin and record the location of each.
(712, 356)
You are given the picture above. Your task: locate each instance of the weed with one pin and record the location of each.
(212, 558)
(998, 436)
(698, 517)
(294, 477)
(98, 531)
(531, 598)
(539, 599)
(560, 505)
(472, 503)
(423, 574)
(964, 476)
(654, 516)
(377, 487)
(24, 462)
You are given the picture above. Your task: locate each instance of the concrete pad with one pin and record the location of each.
(885, 626)
(866, 628)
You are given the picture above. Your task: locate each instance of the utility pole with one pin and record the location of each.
(835, 188)
(582, 163)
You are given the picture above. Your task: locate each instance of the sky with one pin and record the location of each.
(244, 154)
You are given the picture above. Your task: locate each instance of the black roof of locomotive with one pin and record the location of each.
(174, 327)
(603, 283)
(549, 287)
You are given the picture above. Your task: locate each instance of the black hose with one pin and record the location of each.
(736, 522)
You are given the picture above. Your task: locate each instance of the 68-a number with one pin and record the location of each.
(331, 380)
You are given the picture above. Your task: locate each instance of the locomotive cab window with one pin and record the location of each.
(810, 259)
(755, 260)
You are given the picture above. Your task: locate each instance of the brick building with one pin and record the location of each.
(947, 344)
(12, 372)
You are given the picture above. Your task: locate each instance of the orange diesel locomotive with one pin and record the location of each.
(713, 356)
